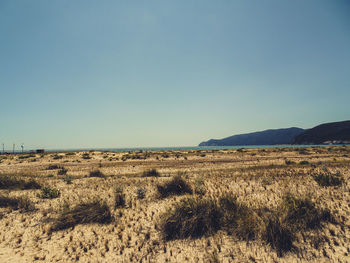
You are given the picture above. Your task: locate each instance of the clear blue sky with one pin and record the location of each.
(168, 73)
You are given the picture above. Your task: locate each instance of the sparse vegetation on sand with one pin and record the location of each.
(226, 206)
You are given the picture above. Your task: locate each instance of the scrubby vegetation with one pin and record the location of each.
(17, 203)
(176, 186)
(196, 217)
(328, 179)
(97, 173)
(49, 193)
(151, 173)
(191, 217)
(10, 181)
(119, 197)
(84, 213)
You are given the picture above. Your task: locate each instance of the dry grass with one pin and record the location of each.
(176, 186)
(84, 213)
(10, 181)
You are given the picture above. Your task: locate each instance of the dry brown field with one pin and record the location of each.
(260, 179)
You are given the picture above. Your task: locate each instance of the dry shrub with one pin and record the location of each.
(119, 198)
(191, 217)
(8, 181)
(97, 173)
(293, 215)
(17, 203)
(278, 235)
(328, 179)
(301, 213)
(49, 193)
(84, 213)
(238, 219)
(176, 186)
(151, 173)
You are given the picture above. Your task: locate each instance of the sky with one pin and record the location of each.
(110, 74)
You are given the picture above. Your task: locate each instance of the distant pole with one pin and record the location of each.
(22, 146)
(3, 148)
(13, 149)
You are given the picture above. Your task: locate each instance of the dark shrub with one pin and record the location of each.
(304, 162)
(49, 193)
(140, 193)
(26, 156)
(85, 213)
(238, 219)
(301, 213)
(97, 173)
(328, 179)
(151, 173)
(191, 218)
(86, 156)
(62, 171)
(53, 167)
(119, 200)
(177, 186)
(21, 203)
(8, 181)
(278, 235)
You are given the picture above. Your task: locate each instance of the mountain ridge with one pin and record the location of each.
(266, 137)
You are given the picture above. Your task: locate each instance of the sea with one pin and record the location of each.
(190, 148)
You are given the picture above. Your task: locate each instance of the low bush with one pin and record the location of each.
(68, 179)
(53, 167)
(17, 203)
(97, 173)
(119, 197)
(191, 217)
(176, 186)
(151, 173)
(84, 213)
(278, 235)
(9, 181)
(49, 193)
(62, 171)
(328, 179)
(301, 213)
(140, 193)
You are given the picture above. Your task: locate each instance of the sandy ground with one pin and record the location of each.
(258, 177)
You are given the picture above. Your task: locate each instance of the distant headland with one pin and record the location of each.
(327, 133)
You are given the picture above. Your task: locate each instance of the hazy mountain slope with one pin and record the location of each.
(267, 137)
(334, 132)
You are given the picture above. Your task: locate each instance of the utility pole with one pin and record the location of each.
(22, 146)
(13, 149)
(3, 148)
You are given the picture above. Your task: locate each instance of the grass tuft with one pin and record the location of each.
(191, 217)
(84, 213)
(328, 179)
(8, 181)
(176, 186)
(151, 173)
(49, 193)
(17, 203)
(97, 173)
